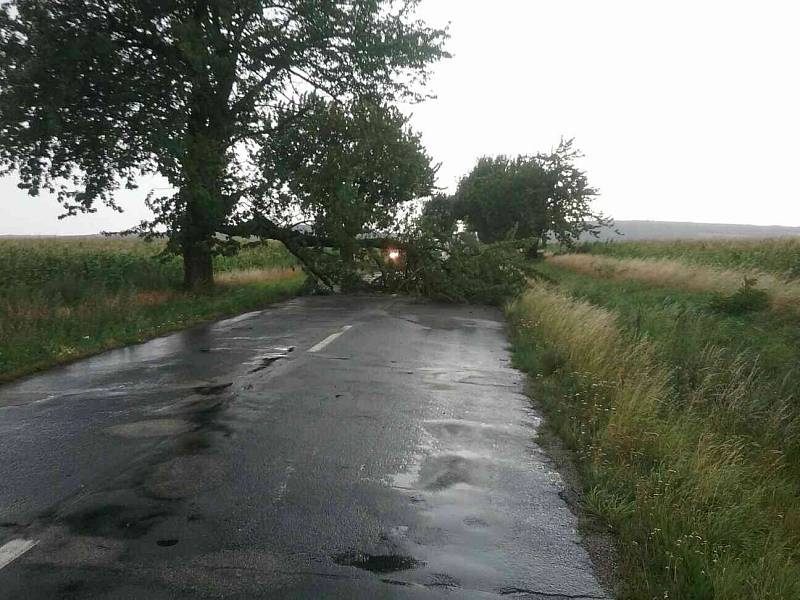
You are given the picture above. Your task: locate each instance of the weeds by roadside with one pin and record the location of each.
(703, 505)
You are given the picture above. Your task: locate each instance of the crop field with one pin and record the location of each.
(779, 256)
(779, 293)
(61, 299)
(676, 384)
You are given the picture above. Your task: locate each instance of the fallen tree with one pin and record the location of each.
(305, 246)
(448, 267)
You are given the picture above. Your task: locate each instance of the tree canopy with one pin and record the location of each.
(348, 167)
(535, 197)
(96, 93)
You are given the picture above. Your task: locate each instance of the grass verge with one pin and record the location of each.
(696, 478)
(67, 299)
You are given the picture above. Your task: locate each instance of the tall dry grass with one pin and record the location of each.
(780, 255)
(702, 509)
(783, 295)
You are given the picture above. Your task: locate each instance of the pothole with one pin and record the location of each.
(378, 563)
(264, 361)
(166, 543)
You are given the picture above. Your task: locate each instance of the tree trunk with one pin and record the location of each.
(204, 206)
(197, 235)
(533, 250)
(347, 252)
(198, 267)
(208, 136)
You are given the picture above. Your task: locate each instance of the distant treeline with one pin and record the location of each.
(669, 230)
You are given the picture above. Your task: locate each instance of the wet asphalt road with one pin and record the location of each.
(268, 457)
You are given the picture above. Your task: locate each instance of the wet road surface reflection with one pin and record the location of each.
(395, 460)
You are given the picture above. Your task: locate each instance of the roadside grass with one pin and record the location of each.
(685, 324)
(782, 295)
(689, 445)
(64, 299)
(780, 256)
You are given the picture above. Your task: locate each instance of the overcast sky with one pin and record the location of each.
(686, 110)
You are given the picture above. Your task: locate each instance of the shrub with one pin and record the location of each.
(746, 299)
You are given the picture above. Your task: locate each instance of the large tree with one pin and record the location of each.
(348, 168)
(535, 198)
(96, 93)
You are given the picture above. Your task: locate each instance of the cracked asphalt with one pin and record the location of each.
(335, 447)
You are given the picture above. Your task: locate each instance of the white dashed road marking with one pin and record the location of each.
(14, 549)
(329, 339)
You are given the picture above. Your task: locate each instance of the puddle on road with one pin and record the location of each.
(502, 378)
(447, 470)
(378, 563)
(472, 434)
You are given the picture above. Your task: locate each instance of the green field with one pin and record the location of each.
(684, 417)
(65, 298)
(780, 256)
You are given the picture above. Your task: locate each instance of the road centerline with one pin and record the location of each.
(14, 549)
(329, 340)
